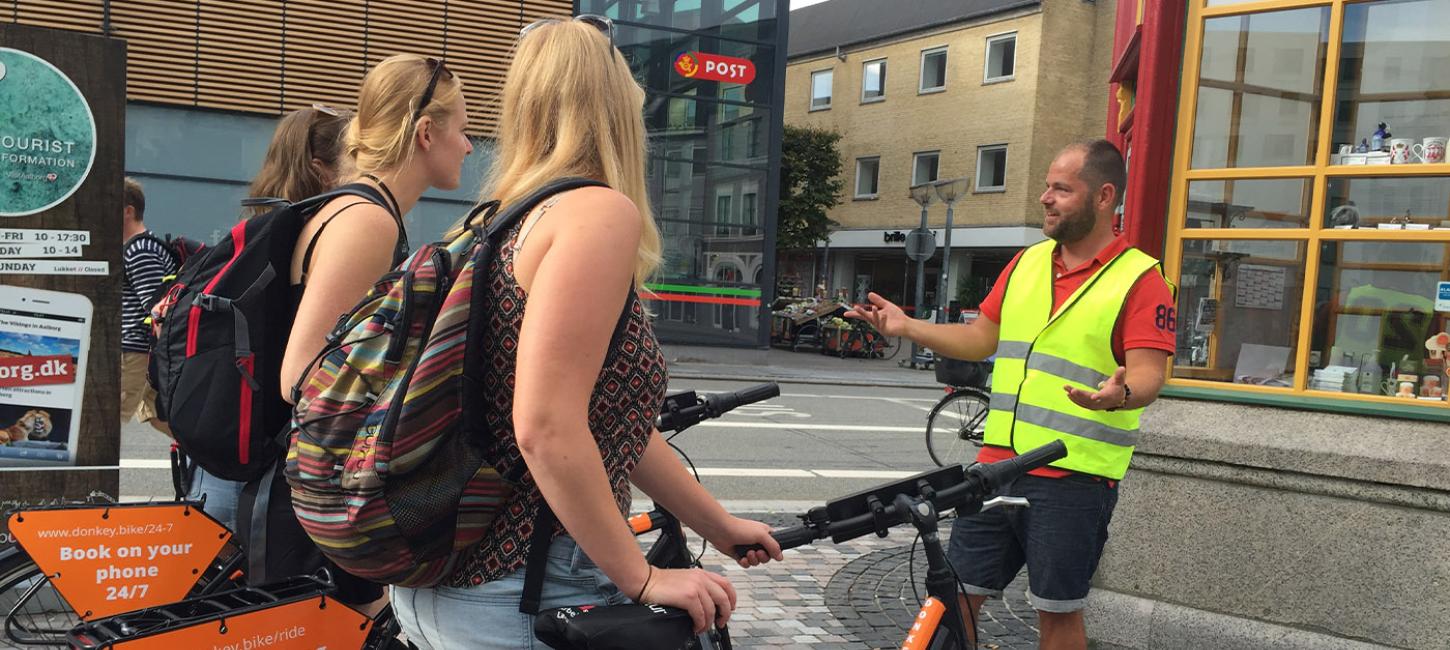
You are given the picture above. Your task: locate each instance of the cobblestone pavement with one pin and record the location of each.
(853, 595)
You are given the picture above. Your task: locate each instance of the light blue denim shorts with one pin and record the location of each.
(487, 616)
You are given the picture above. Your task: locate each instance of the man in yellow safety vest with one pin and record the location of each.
(1082, 326)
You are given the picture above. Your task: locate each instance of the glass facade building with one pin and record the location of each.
(713, 71)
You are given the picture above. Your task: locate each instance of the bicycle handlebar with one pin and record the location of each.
(684, 410)
(980, 480)
(719, 403)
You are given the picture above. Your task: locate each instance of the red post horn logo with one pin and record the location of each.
(687, 65)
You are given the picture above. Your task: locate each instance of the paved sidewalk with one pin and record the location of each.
(782, 365)
(854, 595)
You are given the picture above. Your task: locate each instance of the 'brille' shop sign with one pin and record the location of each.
(47, 135)
(714, 67)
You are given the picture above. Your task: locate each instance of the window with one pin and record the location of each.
(867, 174)
(1001, 64)
(992, 168)
(821, 89)
(1306, 267)
(723, 214)
(933, 70)
(924, 167)
(873, 81)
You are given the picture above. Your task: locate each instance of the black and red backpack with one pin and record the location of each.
(221, 330)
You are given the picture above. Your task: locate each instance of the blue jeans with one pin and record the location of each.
(221, 496)
(1059, 537)
(487, 617)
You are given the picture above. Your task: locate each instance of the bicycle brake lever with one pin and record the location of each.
(1006, 502)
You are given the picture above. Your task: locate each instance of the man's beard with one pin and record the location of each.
(1072, 227)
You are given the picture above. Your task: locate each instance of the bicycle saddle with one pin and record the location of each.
(616, 627)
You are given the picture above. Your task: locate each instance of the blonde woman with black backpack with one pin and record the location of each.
(408, 135)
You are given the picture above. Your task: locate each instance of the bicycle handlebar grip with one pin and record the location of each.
(1003, 471)
(787, 538)
(721, 403)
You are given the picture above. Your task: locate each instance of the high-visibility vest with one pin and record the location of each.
(1039, 352)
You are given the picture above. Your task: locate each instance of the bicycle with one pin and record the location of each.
(957, 424)
(919, 500)
(864, 341)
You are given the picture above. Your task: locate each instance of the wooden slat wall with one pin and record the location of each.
(240, 55)
(75, 15)
(271, 56)
(326, 56)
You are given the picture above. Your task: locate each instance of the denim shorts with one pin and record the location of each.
(487, 616)
(1059, 537)
(221, 496)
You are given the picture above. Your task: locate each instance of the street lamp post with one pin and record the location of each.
(948, 191)
(920, 244)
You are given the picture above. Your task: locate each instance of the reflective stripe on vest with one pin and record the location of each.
(1039, 352)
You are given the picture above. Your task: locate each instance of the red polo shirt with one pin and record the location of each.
(1148, 320)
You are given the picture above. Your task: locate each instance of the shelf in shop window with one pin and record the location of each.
(1420, 169)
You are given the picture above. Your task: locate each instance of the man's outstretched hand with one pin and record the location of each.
(882, 314)
(1110, 393)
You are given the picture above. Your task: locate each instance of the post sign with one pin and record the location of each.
(47, 135)
(715, 67)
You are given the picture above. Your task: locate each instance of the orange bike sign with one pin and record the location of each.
(714, 67)
(110, 559)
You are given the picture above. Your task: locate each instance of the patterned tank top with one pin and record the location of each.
(627, 394)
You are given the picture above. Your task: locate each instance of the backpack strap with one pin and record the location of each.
(538, 561)
(509, 217)
(312, 243)
(362, 190)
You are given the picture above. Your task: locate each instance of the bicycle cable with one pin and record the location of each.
(704, 543)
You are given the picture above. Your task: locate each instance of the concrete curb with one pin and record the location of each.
(1141, 624)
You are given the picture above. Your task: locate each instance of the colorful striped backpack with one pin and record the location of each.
(387, 444)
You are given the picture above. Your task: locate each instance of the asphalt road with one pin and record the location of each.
(812, 443)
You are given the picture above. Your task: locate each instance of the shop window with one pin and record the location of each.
(1373, 318)
(1260, 89)
(821, 89)
(1394, 69)
(924, 167)
(1314, 259)
(873, 81)
(933, 70)
(1001, 59)
(1238, 311)
(992, 168)
(1388, 203)
(868, 171)
(1275, 203)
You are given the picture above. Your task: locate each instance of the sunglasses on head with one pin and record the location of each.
(601, 23)
(439, 69)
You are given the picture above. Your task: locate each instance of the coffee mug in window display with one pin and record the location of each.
(1431, 150)
(1400, 150)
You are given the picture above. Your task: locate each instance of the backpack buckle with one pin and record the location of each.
(212, 302)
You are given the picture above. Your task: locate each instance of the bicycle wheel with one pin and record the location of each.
(955, 427)
(34, 612)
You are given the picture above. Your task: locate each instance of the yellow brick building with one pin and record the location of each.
(986, 91)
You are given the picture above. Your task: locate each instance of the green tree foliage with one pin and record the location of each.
(810, 184)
